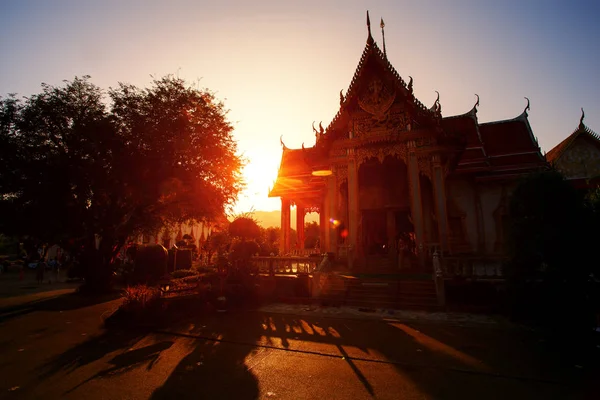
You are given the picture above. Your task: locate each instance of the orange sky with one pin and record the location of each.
(280, 66)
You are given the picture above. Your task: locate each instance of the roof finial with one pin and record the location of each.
(477, 103)
(369, 38)
(436, 107)
(314, 130)
(321, 130)
(582, 117)
(281, 141)
(410, 84)
(527, 108)
(382, 25)
(341, 97)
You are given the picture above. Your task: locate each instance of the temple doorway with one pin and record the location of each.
(374, 233)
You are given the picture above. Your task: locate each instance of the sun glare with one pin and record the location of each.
(259, 175)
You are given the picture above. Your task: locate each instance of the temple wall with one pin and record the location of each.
(491, 195)
(581, 160)
(462, 193)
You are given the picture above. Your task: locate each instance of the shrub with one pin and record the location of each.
(150, 263)
(183, 273)
(140, 297)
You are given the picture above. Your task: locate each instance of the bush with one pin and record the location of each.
(183, 273)
(150, 263)
(140, 297)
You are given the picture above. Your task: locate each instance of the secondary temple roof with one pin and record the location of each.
(578, 156)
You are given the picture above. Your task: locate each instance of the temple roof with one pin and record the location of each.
(295, 173)
(511, 145)
(372, 57)
(466, 127)
(582, 130)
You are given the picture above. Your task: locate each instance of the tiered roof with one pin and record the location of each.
(489, 150)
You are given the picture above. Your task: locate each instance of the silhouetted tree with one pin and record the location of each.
(552, 239)
(311, 235)
(74, 169)
(244, 227)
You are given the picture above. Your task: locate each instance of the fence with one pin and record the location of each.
(471, 267)
(285, 265)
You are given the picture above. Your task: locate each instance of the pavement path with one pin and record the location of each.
(61, 350)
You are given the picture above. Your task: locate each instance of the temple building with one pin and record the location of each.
(395, 181)
(578, 157)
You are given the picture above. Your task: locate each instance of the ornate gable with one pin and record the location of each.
(578, 156)
(378, 99)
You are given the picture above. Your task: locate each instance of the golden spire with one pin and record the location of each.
(369, 38)
(382, 25)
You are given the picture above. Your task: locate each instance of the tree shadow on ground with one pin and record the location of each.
(217, 366)
(90, 351)
(129, 360)
(442, 361)
(65, 302)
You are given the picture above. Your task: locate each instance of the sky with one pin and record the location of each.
(278, 66)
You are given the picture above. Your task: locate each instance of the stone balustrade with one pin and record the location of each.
(288, 265)
(472, 267)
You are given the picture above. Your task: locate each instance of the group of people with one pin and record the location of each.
(50, 269)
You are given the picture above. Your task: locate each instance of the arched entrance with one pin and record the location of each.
(384, 212)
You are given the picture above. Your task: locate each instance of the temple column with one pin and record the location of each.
(416, 204)
(439, 188)
(332, 214)
(284, 241)
(300, 213)
(391, 233)
(322, 226)
(353, 209)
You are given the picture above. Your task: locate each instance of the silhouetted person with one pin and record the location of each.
(39, 272)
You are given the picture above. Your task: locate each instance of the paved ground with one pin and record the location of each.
(17, 290)
(58, 348)
(61, 353)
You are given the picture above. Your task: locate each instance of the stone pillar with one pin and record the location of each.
(391, 234)
(416, 205)
(284, 241)
(322, 226)
(439, 188)
(333, 214)
(300, 213)
(353, 209)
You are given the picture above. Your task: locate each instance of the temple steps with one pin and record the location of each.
(380, 293)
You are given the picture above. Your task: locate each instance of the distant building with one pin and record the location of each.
(578, 157)
(169, 235)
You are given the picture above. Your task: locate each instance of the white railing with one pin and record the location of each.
(285, 265)
(472, 267)
(303, 252)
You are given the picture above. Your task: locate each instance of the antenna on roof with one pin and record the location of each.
(369, 38)
(382, 25)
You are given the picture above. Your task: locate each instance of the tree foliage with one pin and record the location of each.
(77, 163)
(552, 237)
(245, 228)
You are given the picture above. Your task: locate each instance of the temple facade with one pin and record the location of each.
(395, 181)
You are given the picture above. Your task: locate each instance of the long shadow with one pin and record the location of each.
(443, 362)
(90, 351)
(65, 302)
(216, 368)
(131, 359)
